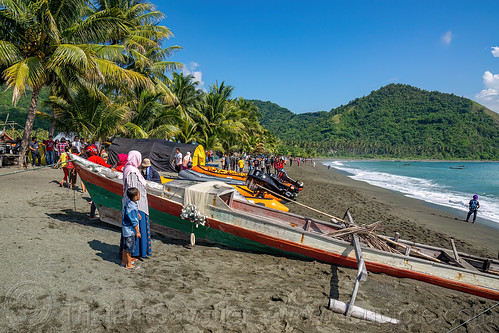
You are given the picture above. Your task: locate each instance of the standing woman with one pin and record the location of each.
(133, 178)
(187, 159)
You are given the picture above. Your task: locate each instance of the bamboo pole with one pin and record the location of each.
(408, 247)
(300, 204)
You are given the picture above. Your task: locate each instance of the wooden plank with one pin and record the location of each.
(456, 256)
(461, 263)
(408, 247)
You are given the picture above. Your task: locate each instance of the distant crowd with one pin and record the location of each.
(266, 163)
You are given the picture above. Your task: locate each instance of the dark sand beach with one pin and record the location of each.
(61, 271)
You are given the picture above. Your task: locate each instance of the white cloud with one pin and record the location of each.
(191, 69)
(491, 80)
(490, 95)
(447, 37)
(495, 51)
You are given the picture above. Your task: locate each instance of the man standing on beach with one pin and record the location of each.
(76, 143)
(49, 150)
(35, 154)
(178, 160)
(474, 205)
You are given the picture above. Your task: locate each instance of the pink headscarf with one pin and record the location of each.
(134, 160)
(122, 159)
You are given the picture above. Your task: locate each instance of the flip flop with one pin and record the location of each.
(133, 267)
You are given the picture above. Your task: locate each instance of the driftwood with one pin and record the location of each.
(366, 233)
(405, 247)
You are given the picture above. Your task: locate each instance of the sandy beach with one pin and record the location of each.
(61, 271)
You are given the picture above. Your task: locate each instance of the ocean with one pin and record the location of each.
(448, 185)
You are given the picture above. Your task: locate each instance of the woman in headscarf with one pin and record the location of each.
(122, 160)
(187, 159)
(133, 178)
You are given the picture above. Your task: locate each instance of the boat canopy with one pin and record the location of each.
(160, 152)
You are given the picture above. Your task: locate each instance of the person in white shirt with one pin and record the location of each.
(76, 143)
(178, 160)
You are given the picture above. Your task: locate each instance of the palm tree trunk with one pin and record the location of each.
(52, 126)
(29, 125)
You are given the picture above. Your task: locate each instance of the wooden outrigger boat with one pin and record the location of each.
(215, 212)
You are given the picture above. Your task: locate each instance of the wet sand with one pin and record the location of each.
(61, 271)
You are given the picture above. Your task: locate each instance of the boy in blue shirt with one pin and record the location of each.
(130, 227)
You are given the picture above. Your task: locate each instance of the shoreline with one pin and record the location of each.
(421, 221)
(322, 159)
(62, 270)
(458, 213)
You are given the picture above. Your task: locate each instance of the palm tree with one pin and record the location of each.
(47, 41)
(147, 117)
(86, 115)
(185, 89)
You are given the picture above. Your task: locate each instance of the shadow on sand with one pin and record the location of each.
(69, 215)
(108, 252)
(333, 283)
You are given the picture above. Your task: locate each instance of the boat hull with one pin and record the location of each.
(245, 230)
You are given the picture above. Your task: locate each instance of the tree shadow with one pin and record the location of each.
(108, 252)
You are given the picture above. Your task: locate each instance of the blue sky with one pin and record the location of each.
(317, 55)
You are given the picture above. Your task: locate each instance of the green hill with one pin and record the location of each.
(19, 113)
(397, 120)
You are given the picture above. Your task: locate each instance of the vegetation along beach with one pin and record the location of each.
(375, 125)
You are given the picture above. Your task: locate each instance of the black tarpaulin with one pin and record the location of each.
(160, 152)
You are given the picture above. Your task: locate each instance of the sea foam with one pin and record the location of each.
(422, 189)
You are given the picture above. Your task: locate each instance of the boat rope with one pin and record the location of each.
(478, 315)
(33, 169)
(300, 204)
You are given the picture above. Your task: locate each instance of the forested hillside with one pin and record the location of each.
(395, 121)
(19, 112)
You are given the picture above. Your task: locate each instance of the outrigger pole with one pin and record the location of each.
(350, 309)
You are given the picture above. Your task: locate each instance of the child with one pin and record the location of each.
(71, 169)
(130, 227)
(64, 165)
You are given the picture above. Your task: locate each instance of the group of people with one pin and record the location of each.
(135, 234)
(54, 149)
(268, 164)
(181, 163)
(80, 147)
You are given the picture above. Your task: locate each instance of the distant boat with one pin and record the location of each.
(217, 212)
(455, 168)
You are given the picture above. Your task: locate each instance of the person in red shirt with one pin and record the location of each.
(49, 150)
(93, 156)
(122, 159)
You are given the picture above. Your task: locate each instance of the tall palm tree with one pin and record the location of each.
(86, 115)
(147, 117)
(186, 90)
(48, 41)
